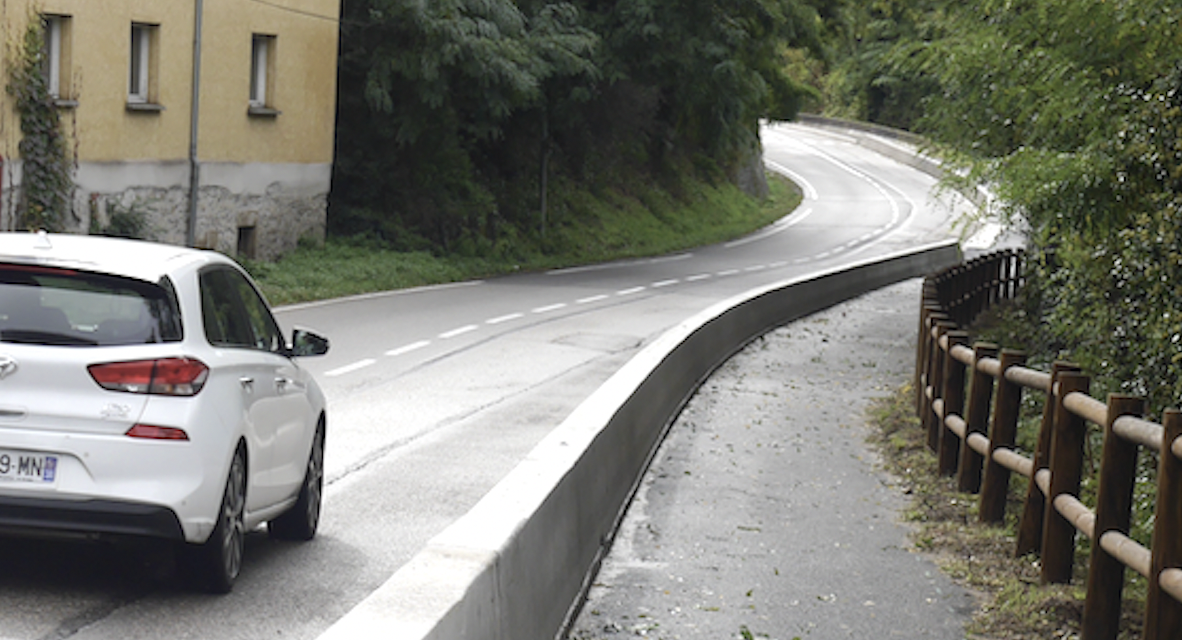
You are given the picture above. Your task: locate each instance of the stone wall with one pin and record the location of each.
(258, 211)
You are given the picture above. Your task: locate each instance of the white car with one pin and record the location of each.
(146, 390)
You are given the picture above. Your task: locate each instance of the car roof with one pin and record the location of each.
(137, 259)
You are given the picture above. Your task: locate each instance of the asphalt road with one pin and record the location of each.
(434, 394)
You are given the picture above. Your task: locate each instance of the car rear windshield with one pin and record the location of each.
(63, 307)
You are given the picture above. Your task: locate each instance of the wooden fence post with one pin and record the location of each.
(927, 367)
(976, 419)
(1016, 266)
(931, 387)
(1031, 526)
(917, 373)
(1114, 506)
(970, 279)
(1066, 464)
(935, 382)
(964, 288)
(1163, 614)
(996, 270)
(954, 293)
(1009, 274)
(928, 312)
(954, 377)
(1003, 432)
(945, 283)
(982, 297)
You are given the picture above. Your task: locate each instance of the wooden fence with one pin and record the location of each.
(974, 439)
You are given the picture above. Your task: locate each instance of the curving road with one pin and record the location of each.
(436, 393)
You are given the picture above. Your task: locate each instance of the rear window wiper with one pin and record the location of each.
(31, 336)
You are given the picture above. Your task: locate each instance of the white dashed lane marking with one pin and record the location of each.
(458, 332)
(505, 318)
(414, 346)
(349, 368)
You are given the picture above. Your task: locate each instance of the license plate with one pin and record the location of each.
(28, 468)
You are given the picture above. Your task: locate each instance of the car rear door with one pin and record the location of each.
(275, 408)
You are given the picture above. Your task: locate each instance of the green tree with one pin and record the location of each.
(717, 67)
(454, 115)
(864, 82)
(426, 91)
(1033, 93)
(1070, 111)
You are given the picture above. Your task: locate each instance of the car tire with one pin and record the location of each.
(219, 559)
(300, 522)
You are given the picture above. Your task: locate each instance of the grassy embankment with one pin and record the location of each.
(593, 229)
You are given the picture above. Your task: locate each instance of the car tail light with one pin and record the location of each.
(152, 432)
(164, 376)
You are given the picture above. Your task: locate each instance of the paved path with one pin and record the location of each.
(766, 514)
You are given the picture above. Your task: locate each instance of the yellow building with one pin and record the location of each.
(258, 144)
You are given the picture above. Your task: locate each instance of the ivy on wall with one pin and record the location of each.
(47, 181)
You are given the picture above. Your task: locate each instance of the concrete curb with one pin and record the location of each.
(517, 565)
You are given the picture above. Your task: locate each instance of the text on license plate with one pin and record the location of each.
(34, 468)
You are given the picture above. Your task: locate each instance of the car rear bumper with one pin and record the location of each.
(88, 517)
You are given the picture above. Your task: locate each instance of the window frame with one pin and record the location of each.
(56, 34)
(250, 313)
(259, 49)
(65, 307)
(261, 96)
(141, 67)
(53, 53)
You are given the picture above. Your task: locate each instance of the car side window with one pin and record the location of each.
(234, 315)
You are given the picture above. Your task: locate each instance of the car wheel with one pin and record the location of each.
(300, 522)
(221, 556)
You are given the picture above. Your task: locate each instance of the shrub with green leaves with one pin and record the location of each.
(46, 184)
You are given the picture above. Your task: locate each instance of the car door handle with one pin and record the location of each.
(281, 383)
(247, 383)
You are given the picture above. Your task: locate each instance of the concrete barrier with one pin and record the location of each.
(517, 566)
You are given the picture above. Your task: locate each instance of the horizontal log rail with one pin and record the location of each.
(974, 440)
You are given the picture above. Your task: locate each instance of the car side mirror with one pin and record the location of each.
(307, 343)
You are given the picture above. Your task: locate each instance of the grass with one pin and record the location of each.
(1014, 605)
(586, 229)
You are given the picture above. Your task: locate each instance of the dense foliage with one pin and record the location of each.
(47, 181)
(1070, 110)
(462, 122)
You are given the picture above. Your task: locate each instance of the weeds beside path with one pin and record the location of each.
(980, 557)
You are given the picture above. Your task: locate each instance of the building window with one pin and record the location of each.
(56, 56)
(140, 83)
(262, 75)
